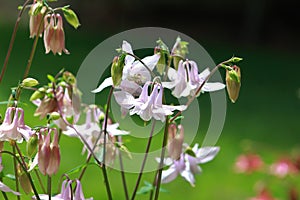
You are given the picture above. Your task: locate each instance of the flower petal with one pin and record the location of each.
(106, 83)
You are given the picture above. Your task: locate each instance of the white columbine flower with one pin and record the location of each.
(135, 74)
(187, 166)
(186, 80)
(146, 106)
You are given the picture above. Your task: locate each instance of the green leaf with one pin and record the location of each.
(10, 176)
(71, 17)
(145, 189)
(51, 78)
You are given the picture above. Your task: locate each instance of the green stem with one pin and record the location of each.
(12, 40)
(16, 171)
(49, 187)
(26, 172)
(162, 157)
(104, 144)
(122, 172)
(144, 161)
(40, 181)
(4, 195)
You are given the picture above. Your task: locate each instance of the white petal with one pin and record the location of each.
(106, 83)
(151, 61)
(167, 161)
(172, 74)
(206, 154)
(204, 74)
(188, 176)
(5, 188)
(34, 162)
(210, 87)
(169, 174)
(124, 99)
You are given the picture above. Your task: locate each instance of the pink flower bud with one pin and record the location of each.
(54, 36)
(248, 163)
(49, 154)
(175, 141)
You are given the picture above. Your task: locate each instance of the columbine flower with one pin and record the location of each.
(146, 106)
(54, 35)
(264, 194)
(48, 154)
(13, 126)
(283, 167)
(66, 192)
(186, 80)
(175, 141)
(187, 166)
(248, 163)
(135, 74)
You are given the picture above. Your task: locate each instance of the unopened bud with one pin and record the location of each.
(233, 82)
(29, 82)
(54, 116)
(31, 146)
(175, 141)
(179, 51)
(25, 183)
(117, 69)
(71, 17)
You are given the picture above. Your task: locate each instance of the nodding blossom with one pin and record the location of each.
(175, 141)
(185, 81)
(187, 166)
(13, 126)
(134, 74)
(146, 106)
(54, 35)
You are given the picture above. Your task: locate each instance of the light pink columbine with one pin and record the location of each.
(13, 126)
(248, 163)
(187, 166)
(185, 81)
(35, 21)
(54, 35)
(146, 106)
(134, 74)
(175, 141)
(264, 194)
(49, 153)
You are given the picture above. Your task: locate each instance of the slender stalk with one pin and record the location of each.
(40, 181)
(12, 40)
(122, 172)
(144, 161)
(26, 172)
(16, 171)
(162, 157)
(104, 144)
(4, 195)
(20, 154)
(36, 39)
(49, 187)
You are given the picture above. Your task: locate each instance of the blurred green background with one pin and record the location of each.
(264, 33)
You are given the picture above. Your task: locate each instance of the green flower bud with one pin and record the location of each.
(25, 183)
(37, 95)
(233, 82)
(31, 146)
(71, 17)
(179, 51)
(235, 59)
(54, 116)
(117, 69)
(29, 82)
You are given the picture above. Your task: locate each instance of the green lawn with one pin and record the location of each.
(267, 113)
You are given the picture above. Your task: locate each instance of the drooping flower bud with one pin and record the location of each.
(31, 146)
(49, 154)
(175, 141)
(233, 82)
(54, 35)
(29, 82)
(117, 69)
(25, 183)
(36, 13)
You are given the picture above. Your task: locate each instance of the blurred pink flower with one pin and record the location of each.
(264, 194)
(248, 163)
(283, 167)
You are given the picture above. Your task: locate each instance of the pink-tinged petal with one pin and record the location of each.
(128, 49)
(124, 99)
(106, 83)
(5, 188)
(193, 73)
(78, 192)
(151, 61)
(169, 174)
(192, 165)
(188, 176)
(131, 87)
(34, 163)
(44, 153)
(206, 154)
(54, 159)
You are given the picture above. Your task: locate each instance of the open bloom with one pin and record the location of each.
(13, 126)
(146, 106)
(187, 166)
(134, 74)
(54, 35)
(48, 154)
(186, 80)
